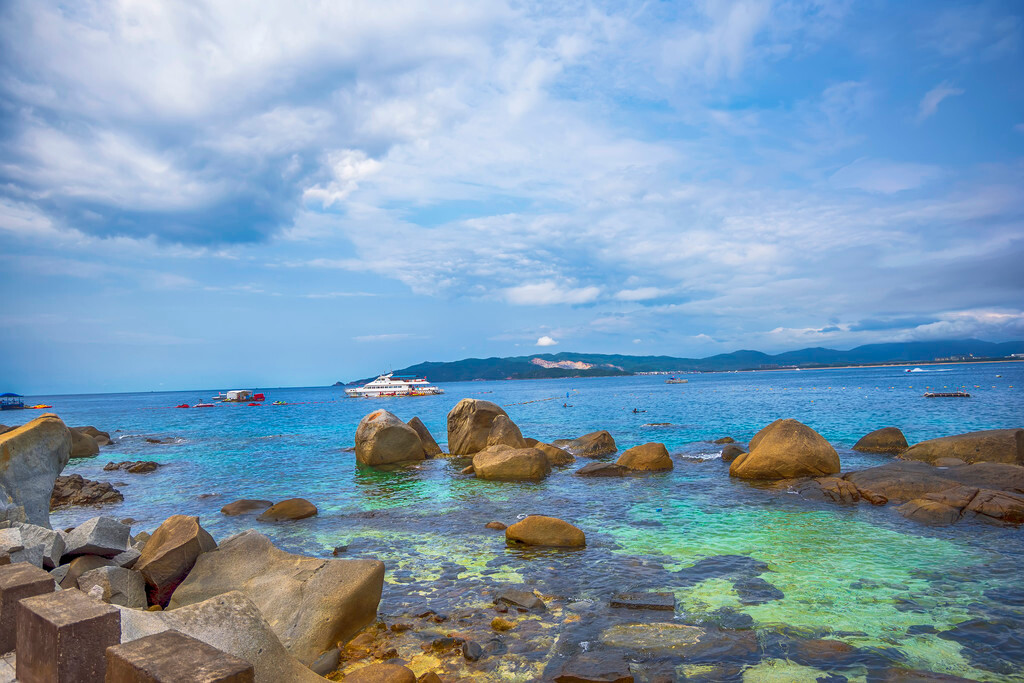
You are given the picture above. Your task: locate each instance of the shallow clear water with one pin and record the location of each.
(733, 553)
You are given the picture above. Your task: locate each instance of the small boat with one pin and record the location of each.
(183, 405)
(11, 402)
(947, 394)
(40, 406)
(279, 403)
(204, 405)
(254, 404)
(676, 380)
(392, 385)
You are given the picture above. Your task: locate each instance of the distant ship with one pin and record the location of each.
(676, 380)
(390, 385)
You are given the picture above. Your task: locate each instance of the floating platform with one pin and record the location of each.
(947, 394)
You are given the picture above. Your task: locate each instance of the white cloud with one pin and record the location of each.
(347, 167)
(550, 292)
(881, 175)
(546, 341)
(640, 293)
(931, 100)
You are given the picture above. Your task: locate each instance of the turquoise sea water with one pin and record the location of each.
(735, 555)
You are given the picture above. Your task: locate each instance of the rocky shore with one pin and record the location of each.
(303, 618)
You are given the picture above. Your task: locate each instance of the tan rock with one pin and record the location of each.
(511, 464)
(993, 445)
(291, 509)
(592, 445)
(558, 457)
(31, 457)
(169, 555)
(430, 447)
(546, 531)
(240, 507)
(1001, 506)
(83, 445)
(383, 439)
(382, 673)
(786, 449)
(884, 440)
(469, 425)
(504, 432)
(648, 457)
(731, 451)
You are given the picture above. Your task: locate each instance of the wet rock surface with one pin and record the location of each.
(73, 489)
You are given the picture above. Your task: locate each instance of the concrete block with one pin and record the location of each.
(173, 657)
(63, 638)
(18, 581)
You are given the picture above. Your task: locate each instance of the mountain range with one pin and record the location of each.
(598, 365)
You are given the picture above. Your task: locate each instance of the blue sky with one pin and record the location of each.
(201, 194)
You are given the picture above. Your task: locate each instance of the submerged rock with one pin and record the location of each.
(170, 553)
(786, 449)
(511, 464)
(546, 531)
(469, 425)
(383, 439)
(648, 457)
(504, 432)
(31, 458)
(884, 440)
(592, 445)
(382, 673)
(731, 451)
(601, 469)
(724, 440)
(655, 638)
(73, 489)
(499, 526)
(993, 445)
(241, 507)
(430, 447)
(902, 481)
(291, 509)
(310, 603)
(133, 466)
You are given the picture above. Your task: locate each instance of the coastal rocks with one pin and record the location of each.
(900, 481)
(786, 449)
(558, 457)
(101, 438)
(518, 598)
(592, 445)
(993, 445)
(383, 439)
(382, 673)
(829, 488)
(504, 432)
(731, 451)
(132, 466)
(102, 536)
(51, 542)
(291, 509)
(169, 555)
(953, 504)
(430, 447)
(654, 638)
(118, 586)
(12, 546)
(73, 489)
(546, 531)
(499, 526)
(648, 457)
(884, 440)
(310, 603)
(469, 425)
(31, 457)
(83, 445)
(511, 464)
(241, 507)
(601, 469)
(77, 567)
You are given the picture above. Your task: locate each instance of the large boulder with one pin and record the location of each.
(311, 604)
(291, 509)
(31, 457)
(83, 445)
(103, 536)
(119, 586)
(558, 457)
(545, 531)
(786, 449)
(884, 440)
(993, 445)
(648, 457)
(511, 464)
(430, 447)
(229, 622)
(592, 445)
(102, 438)
(469, 425)
(169, 555)
(903, 481)
(504, 432)
(383, 439)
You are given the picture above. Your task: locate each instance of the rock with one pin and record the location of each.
(601, 469)
(724, 440)
(648, 457)
(327, 662)
(75, 490)
(994, 445)
(31, 457)
(291, 509)
(13, 547)
(228, 622)
(430, 447)
(103, 536)
(664, 601)
(502, 624)
(469, 425)
(902, 481)
(83, 445)
(520, 598)
(496, 525)
(311, 604)
(505, 463)
(661, 637)
(128, 558)
(731, 451)
(829, 488)
(999, 506)
(595, 667)
(786, 449)
(382, 673)
(558, 457)
(592, 445)
(884, 440)
(101, 438)
(52, 542)
(79, 566)
(504, 432)
(133, 466)
(545, 531)
(948, 462)
(953, 504)
(240, 507)
(119, 586)
(383, 439)
(170, 554)
(929, 512)
(467, 470)
(472, 651)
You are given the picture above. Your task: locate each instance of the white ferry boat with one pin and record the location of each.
(390, 385)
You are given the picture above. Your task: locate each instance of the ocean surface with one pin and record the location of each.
(736, 555)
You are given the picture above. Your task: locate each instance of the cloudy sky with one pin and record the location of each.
(204, 194)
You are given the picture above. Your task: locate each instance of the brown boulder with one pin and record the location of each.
(884, 440)
(545, 531)
(291, 509)
(592, 445)
(504, 432)
(83, 445)
(900, 481)
(1000, 506)
(73, 489)
(511, 464)
(601, 469)
(381, 673)
(430, 447)
(558, 457)
(240, 507)
(648, 457)
(469, 425)
(993, 445)
(497, 526)
(786, 449)
(81, 565)
(930, 512)
(169, 555)
(383, 439)
(731, 451)
(724, 440)
(829, 488)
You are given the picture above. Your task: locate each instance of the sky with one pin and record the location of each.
(236, 194)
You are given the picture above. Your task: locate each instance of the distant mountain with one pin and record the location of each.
(601, 365)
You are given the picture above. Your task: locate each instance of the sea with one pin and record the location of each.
(738, 557)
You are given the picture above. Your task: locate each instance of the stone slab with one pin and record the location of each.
(173, 657)
(659, 601)
(18, 581)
